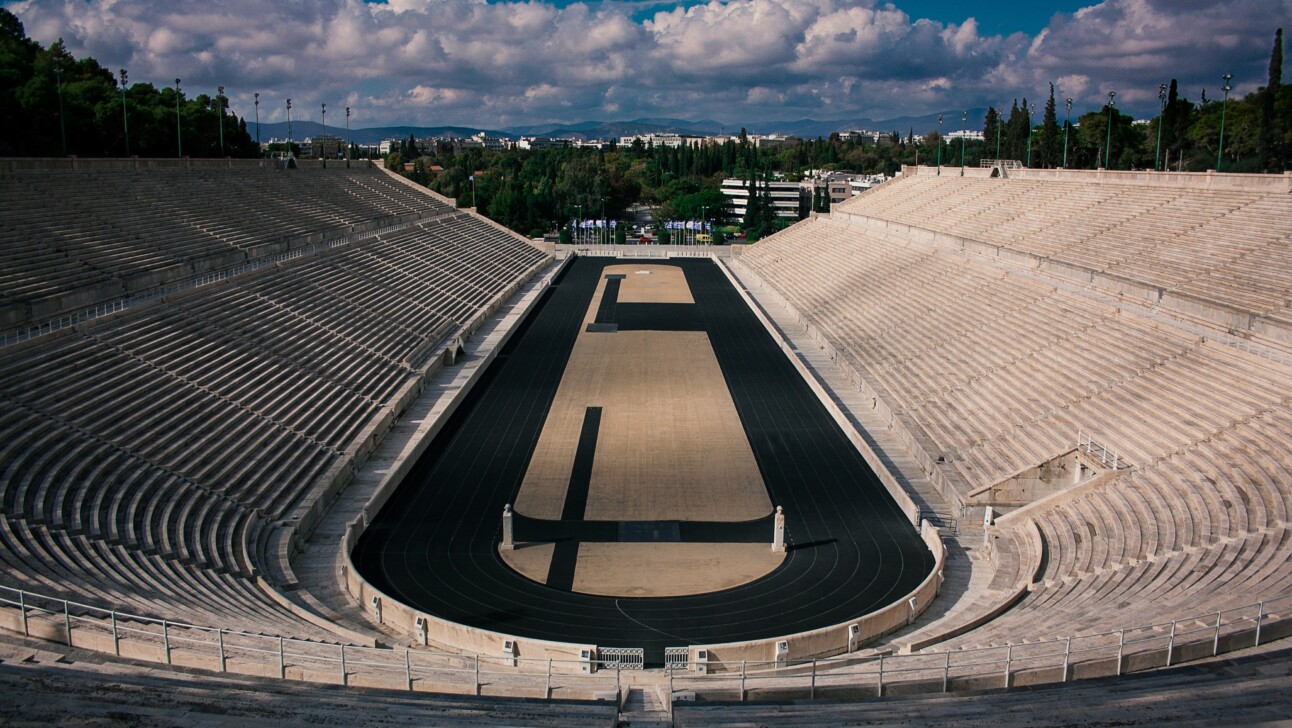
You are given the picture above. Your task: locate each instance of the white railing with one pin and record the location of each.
(1051, 661)
(1107, 457)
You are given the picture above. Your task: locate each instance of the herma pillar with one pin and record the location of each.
(507, 544)
(778, 532)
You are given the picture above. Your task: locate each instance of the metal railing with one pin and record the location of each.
(1108, 457)
(1059, 660)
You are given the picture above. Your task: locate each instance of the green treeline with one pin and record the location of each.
(537, 191)
(53, 104)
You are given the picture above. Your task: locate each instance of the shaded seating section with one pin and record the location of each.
(150, 459)
(992, 370)
(70, 239)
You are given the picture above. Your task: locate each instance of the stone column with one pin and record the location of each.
(778, 532)
(507, 544)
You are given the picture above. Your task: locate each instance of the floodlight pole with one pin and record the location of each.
(289, 128)
(1226, 88)
(964, 126)
(1067, 123)
(1027, 109)
(125, 119)
(219, 108)
(1161, 117)
(322, 150)
(1108, 146)
(348, 143)
(62, 127)
(939, 145)
(257, 123)
(179, 132)
(1000, 121)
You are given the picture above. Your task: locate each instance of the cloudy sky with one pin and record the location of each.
(487, 64)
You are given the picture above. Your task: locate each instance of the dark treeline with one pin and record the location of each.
(53, 104)
(538, 191)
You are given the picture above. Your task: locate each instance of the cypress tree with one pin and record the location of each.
(1267, 134)
(990, 127)
(1051, 153)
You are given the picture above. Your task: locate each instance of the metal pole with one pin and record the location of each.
(67, 623)
(1121, 649)
(1215, 643)
(1170, 646)
(1225, 105)
(477, 678)
(289, 127)
(1067, 122)
(223, 660)
(179, 133)
(257, 123)
(116, 642)
(1161, 117)
(946, 671)
(166, 639)
(964, 126)
(1108, 147)
(282, 663)
(343, 678)
(1009, 657)
(62, 127)
(1027, 109)
(812, 695)
(939, 145)
(219, 108)
(1067, 655)
(22, 607)
(408, 670)
(348, 143)
(125, 118)
(548, 694)
(1000, 121)
(742, 681)
(879, 689)
(1260, 619)
(322, 153)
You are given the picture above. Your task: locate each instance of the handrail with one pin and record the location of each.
(1115, 652)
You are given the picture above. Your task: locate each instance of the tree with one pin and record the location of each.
(1050, 143)
(1176, 119)
(1017, 129)
(33, 122)
(991, 127)
(1266, 144)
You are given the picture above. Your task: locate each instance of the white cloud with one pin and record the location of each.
(474, 63)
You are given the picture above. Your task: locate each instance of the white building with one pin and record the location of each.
(543, 143)
(662, 140)
(787, 198)
(861, 135)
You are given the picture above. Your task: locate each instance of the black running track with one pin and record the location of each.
(433, 546)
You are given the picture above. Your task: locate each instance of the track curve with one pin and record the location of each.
(433, 546)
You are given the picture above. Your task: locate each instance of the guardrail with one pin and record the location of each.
(851, 676)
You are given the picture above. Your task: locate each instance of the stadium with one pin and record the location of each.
(1010, 439)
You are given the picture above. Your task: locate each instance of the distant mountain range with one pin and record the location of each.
(806, 128)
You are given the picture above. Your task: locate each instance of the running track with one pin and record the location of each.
(851, 551)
